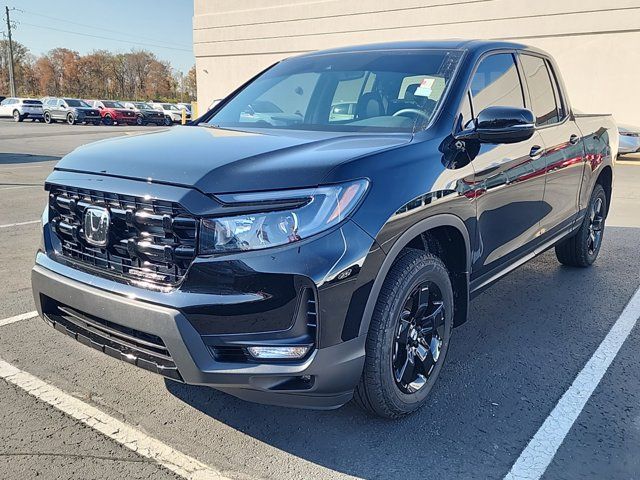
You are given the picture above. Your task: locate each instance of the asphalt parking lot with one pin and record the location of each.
(528, 337)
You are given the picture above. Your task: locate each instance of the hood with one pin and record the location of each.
(221, 161)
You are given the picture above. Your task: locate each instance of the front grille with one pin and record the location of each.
(151, 242)
(124, 343)
(230, 354)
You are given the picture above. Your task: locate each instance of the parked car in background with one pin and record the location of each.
(172, 113)
(309, 261)
(629, 139)
(113, 112)
(186, 106)
(70, 110)
(21, 108)
(145, 114)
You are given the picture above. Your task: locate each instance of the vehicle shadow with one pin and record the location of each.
(527, 338)
(15, 158)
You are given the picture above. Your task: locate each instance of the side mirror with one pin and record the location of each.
(502, 125)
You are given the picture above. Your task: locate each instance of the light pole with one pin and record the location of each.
(12, 80)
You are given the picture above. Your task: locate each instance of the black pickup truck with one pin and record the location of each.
(323, 246)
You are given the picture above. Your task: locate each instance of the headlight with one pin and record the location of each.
(302, 213)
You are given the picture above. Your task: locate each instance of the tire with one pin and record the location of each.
(168, 122)
(47, 118)
(71, 119)
(107, 120)
(96, 122)
(582, 248)
(382, 390)
(140, 121)
(17, 117)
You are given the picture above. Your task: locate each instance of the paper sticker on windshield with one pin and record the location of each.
(425, 88)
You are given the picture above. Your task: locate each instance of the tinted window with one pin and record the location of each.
(32, 102)
(72, 102)
(496, 83)
(543, 102)
(556, 91)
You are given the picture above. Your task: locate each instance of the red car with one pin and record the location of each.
(113, 112)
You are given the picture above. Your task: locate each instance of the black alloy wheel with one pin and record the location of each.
(139, 120)
(167, 121)
(107, 120)
(419, 337)
(583, 247)
(408, 336)
(596, 226)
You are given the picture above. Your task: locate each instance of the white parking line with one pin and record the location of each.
(20, 186)
(126, 435)
(537, 455)
(9, 225)
(17, 318)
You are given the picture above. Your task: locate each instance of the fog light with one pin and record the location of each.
(279, 352)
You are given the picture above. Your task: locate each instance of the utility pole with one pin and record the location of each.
(12, 79)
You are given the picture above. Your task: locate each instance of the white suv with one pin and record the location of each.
(172, 113)
(21, 108)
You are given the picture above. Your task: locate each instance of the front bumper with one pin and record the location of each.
(200, 316)
(88, 118)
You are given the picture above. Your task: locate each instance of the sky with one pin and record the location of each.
(161, 26)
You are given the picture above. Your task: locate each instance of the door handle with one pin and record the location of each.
(573, 139)
(536, 152)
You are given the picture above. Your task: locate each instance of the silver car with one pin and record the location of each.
(21, 108)
(629, 139)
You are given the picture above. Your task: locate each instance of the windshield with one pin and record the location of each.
(395, 91)
(72, 102)
(142, 106)
(168, 106)
(110, 104)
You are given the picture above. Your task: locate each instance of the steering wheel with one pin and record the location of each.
(411, 110)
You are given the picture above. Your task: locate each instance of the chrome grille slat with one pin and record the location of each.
(152, 242)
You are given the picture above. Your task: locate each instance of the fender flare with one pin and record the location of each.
(439, 220)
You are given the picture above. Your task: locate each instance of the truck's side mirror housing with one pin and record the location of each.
(501, 125)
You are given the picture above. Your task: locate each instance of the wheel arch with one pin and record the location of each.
(444, 235)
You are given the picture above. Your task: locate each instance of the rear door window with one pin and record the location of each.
(496, 83)
(541, 91)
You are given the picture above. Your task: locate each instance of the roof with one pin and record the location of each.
(455, 44)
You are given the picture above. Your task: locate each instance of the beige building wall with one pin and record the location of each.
(596, 43)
